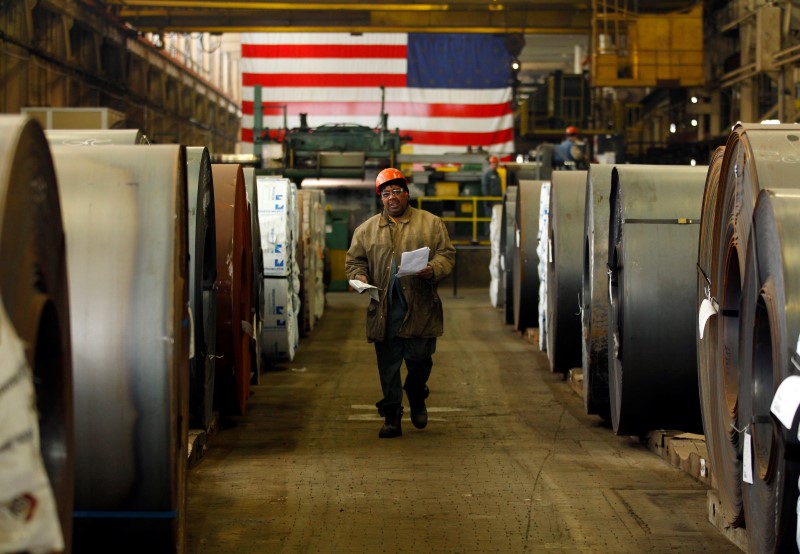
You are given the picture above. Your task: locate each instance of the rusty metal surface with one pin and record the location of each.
(202, 276)
(258, 271)
(719, 416)
(565, 268)
(594, 294)
(770, 325)
(526, 260)
(33, 290)
(754, 154)
(652, 361)
(125, 221)
(233, 289)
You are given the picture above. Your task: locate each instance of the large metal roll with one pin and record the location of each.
(753, 154)
(526, 260)
(594, 295)
(33, 291)
(125, 221)
(507, 249)
(257, 260)
(652, 359)
(95, 137)
(564, 268)
(718, 392)
(202, 276)
(234, 289)
(770, 326)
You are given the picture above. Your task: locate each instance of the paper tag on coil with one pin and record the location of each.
(707, 309)
(786, 400)
(747, 459)
(550, 251)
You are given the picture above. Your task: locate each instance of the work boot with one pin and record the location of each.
(419, 413)
(391, 423)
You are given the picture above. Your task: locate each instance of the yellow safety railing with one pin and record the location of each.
(472, 202)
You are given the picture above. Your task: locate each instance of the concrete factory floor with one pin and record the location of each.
(509, 462)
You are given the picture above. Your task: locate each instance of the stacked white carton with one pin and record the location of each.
(276, 217)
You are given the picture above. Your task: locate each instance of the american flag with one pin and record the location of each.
(447, 91)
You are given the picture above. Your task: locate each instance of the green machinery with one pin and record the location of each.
(340, 150)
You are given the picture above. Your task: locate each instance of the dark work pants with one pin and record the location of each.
(391, 352)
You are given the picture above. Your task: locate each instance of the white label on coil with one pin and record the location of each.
(702, 467)
(550, 250)
(747, 461)
(707, 309)
(786, 400)
(517, 238)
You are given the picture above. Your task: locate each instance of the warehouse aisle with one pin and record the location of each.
(508, 463)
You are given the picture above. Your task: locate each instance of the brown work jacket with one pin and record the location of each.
(374, 244)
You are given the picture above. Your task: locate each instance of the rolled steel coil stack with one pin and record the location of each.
(495, 258)
(202, 236)
(742, 261)
(594, 295)
(508, 246)
(36, 389)
(565, 268)
(277, 222)
(258, 271)
(125, 219)
(769, 354)
(542, 251)
(234, 290)
(310, 246)
(652, 362)
(95, 137)
(318, 242)
(526, 260)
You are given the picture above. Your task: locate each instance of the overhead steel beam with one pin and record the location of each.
(216, 17)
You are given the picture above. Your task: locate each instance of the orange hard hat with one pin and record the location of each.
(494, 160)
(389, 174)
(572, 130)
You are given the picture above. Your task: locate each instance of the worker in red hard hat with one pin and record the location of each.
(570, 153)
(407, 318)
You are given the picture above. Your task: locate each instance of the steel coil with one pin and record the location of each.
(234, 289)
(652, 361)
(526, 260)
(507, 248)
(125, 221)
(594, 295)
(95, 137)
(202, 276)
(257, 260)
(770, 326)
(718, 393)
(753, 154)
(33, 290)
(564, 268)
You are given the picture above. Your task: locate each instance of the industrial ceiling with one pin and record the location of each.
(472, 16)
(545, 35)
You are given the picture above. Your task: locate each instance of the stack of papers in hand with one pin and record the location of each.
(413, 262)
(360, 287)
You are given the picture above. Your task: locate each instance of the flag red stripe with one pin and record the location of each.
(323, 51)
(392, 108)
(323, 80)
